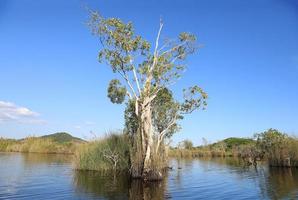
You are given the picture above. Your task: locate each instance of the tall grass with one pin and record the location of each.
(203, 152)
(196, 152)
(36, 145)
(4, 143)
(230, 147)
(110, 152)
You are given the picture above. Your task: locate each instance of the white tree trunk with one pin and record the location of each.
(146, 121)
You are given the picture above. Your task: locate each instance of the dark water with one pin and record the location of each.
(38, 176)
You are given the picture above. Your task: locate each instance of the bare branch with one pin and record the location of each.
(173, 121)
(173, 48)
(136, 79)
(156, 46)
(165, 45)
(172, 62)
(112, 157)
(163, 133)
(125, 77)
(130, 85)
(154, 94)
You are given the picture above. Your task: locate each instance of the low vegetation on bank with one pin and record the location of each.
(62, 143)
(230, 147)
(112, 152)
(279, 149)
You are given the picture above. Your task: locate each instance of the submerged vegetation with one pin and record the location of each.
(55, 143)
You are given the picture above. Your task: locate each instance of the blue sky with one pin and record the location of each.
(50, 79)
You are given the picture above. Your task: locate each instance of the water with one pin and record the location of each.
(40, 176)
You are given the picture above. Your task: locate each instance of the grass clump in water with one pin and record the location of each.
(110, 152)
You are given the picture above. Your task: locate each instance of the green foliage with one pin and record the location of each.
(131, 120)
(271, 139)
(127, 52)
(169, 64)
(165, 110)
(116, 93)
(95, 155)
(119, 40)
(194, 98)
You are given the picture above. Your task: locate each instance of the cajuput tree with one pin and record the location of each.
(144, 74)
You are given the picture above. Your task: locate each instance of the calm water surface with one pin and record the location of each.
(38, 176)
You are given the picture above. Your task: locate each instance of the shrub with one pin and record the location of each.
(280, 149)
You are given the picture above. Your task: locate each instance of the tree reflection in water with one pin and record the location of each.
(188, 176)
(118, 186)
(282, 183)
(274, 182)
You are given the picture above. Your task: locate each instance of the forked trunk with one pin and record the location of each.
(144, 163)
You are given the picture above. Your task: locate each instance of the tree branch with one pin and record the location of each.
(136, 79)
(156, 46)
(163, 133)
(124, 75)
(173, 48)
(165, 45)
(173, 121)
(128, 94)
(126, 78)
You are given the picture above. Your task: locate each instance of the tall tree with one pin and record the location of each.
(145, 74)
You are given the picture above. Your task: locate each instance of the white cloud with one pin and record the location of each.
(9, 112)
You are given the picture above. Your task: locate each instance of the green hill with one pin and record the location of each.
(231, 142)
(63, 137)
(234, 141)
